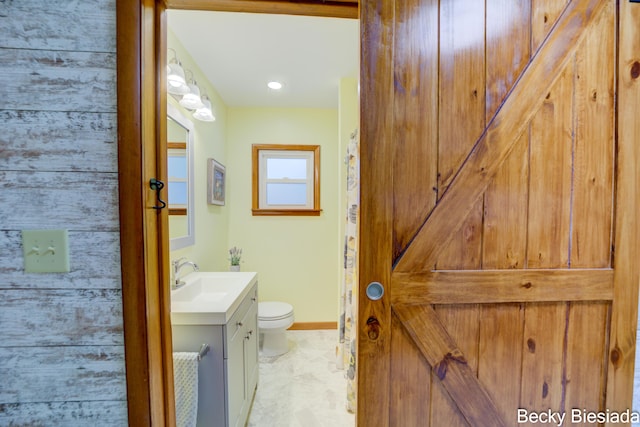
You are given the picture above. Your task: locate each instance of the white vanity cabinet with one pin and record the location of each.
(241, 360)
(228, 374)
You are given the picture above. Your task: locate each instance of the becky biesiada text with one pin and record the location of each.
(609, 417)
(577, 416)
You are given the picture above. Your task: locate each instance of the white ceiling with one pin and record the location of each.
(240, 52)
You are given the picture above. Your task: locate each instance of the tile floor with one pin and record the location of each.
(302, 387)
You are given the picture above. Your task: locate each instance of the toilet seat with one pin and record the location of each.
(274, 317)
(273, 310)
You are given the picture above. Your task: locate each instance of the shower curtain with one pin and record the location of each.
(346, 350)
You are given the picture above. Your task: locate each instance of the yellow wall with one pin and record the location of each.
(295, 257)
(210, 250)
(298, 259)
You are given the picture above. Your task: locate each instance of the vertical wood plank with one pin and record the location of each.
(594, 147)
(163, 237)
(544, 14)
(462, 104)
(462, 323)
(542, 360)
(508, 44)
(410, 381)
(550, 180)
(415, 112)
(508, 48)
(505, 211)
(156, 281)
(586, 354)
(624, 311)
(376, 246)
(462, 85)
(464, 251)
(130, 151)
(500, 356)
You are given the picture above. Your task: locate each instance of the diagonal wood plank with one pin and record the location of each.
(495, 144)
(449, 365)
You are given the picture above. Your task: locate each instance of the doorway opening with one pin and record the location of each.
(145, 252)
(298, 258)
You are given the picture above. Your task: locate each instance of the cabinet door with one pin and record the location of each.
(251, 351)
(235, 376)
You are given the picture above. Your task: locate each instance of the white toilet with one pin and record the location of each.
(273, 319)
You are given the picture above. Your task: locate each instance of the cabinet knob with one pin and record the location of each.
(239, 323)
(254, 299)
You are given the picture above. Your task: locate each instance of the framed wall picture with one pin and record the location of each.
(216, 175)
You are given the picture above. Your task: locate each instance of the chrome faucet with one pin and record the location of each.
(177, 265)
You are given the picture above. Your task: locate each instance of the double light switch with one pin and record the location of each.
(45, 251)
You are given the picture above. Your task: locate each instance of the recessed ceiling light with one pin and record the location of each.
(275, 85)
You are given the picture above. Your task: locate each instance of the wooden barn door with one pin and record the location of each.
(499, 210)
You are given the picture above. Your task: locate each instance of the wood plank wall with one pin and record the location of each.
(61, 336)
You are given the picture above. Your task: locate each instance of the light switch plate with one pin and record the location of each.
(45, 251)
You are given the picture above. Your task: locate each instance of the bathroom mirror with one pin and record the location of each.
(180, 136)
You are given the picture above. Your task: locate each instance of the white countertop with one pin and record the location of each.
(210, 298)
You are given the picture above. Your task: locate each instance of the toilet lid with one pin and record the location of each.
(272, 310)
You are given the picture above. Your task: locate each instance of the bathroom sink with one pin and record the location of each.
(209, 298)
(203, 289)
(200, 294)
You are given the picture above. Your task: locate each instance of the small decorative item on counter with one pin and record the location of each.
(234, 258)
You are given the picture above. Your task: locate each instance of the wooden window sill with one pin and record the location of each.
(286, 212)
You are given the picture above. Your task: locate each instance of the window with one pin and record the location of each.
(286, 179)
(178, 183)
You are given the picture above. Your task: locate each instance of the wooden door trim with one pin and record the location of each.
(332, 9)
(140, 51)
(162, 168)
(499, 137)
(132, 248)
(502, 286)
(449, 364)
(624, 310)
(143, 230)
(141, 273)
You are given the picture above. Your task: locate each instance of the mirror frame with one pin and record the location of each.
(190, 238)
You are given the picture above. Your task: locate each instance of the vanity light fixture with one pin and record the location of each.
(191, 100)
(274, 85)
(176, 82)
(205, 113)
